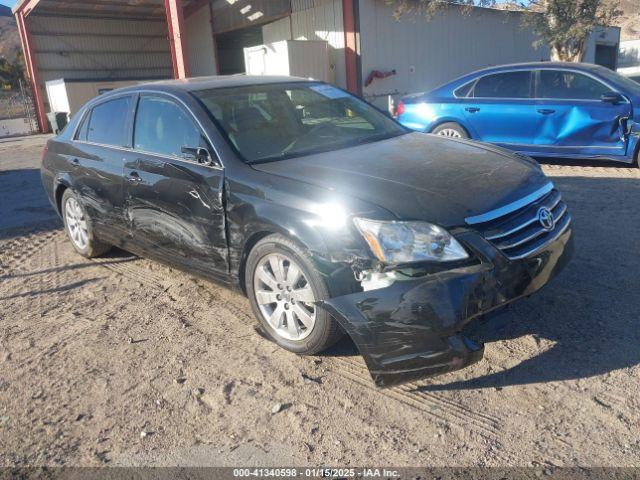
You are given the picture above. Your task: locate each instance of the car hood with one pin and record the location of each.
(419, 177)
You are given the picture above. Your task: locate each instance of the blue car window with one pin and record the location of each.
(628, 85)
(504, 85)
(465, 90)
(560, 84)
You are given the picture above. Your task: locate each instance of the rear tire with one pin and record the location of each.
(78, 226)
(451, 130)
(277, 271)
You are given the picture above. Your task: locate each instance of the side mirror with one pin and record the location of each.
(200, 155)
(612, 97)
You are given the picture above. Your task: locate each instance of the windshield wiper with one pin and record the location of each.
(325, 148)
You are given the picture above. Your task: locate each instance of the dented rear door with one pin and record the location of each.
(572, 118)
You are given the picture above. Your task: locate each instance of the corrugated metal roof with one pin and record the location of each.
(100, 8)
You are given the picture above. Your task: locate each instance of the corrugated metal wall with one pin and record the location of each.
(231, 15)
(314, 20)
(200, 46)
(427, 53)
(100, 48)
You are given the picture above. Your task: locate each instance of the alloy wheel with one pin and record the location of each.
(76, 224)
(450, 132)
(284, 296)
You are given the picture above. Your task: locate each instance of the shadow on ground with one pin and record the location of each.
(24, 206)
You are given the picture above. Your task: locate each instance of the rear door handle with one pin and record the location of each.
(134, 177)
(546, 111)
(472, 109)
(75, 162)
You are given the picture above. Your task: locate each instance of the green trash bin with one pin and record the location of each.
(57, 120)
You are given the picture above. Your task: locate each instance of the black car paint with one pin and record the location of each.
(411, 329)
(205, 219)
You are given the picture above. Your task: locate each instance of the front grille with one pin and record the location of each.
(520, 233)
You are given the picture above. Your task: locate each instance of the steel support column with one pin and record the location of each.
(349, 16)
(32, 70)
(177, 38)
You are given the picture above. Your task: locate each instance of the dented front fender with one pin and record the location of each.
(412, 329)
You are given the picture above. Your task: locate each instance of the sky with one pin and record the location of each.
(8, 3)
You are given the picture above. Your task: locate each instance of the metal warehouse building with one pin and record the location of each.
(96, 45)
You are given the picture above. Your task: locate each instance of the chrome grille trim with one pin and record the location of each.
(519, 234)
(557, 234)
(511, 207)
(556, 200)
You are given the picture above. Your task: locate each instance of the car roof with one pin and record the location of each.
(588, 67)
(207, 83)
(468, 77)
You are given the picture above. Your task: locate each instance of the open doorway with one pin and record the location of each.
(230, 48)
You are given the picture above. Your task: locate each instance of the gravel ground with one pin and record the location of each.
(123, 361)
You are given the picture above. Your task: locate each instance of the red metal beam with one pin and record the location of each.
(350, 45)
(32, 71)
(25, 6)
(177, 38)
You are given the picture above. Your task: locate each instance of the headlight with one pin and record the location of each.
(404, 242)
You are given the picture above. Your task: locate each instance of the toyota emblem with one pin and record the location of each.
(545, 217)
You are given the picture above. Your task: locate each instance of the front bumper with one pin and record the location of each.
(411, 329)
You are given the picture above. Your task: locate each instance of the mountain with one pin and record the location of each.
(629, 21)
(9, 37)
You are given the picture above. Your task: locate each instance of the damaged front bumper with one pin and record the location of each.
(412, 329)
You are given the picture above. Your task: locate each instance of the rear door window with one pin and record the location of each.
(107, 123)
(560, 84)
(162, 127)
(504, 85)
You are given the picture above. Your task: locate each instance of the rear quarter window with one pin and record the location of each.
(106, 123)
(464, 90)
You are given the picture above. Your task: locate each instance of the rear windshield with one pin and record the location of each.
(277, 121)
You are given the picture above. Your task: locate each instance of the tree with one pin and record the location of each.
(564, 25)
(12, 73)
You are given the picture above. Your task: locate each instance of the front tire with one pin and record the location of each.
(79, 229)
(451, 130)
(283, 287)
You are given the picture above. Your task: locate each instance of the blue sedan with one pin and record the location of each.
(546, 109)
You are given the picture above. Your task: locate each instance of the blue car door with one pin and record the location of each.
(574, 119)
(499, 108)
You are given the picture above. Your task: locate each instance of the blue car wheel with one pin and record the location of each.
(451, 129)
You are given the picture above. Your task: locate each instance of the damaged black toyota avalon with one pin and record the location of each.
(329, 215)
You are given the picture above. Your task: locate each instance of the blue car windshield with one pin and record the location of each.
(626, 84)
(283, 120)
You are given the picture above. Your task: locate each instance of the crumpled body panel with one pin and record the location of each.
(411, 329)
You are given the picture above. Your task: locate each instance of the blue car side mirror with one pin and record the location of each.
(612, 97)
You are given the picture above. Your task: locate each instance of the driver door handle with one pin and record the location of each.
(546, 111)
(134, 177)
(472, 109)
(75, 162)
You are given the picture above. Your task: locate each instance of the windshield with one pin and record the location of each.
(276, 121)
(628, 85)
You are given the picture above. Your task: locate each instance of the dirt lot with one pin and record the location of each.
(123, 361)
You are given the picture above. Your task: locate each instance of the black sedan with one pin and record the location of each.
(328, 214)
